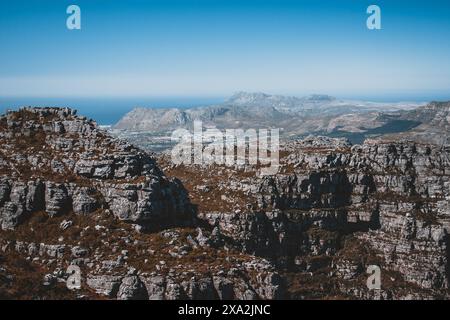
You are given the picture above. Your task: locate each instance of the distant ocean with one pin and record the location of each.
(106, 111)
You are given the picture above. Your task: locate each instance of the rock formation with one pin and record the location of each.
(55, 161)
(71, 195)
(336, 209)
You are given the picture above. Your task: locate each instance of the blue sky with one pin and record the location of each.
(217, 47)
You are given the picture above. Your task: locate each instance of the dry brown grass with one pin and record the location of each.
(211, 201)
(27, 279)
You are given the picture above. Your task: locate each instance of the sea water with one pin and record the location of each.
(106, 111)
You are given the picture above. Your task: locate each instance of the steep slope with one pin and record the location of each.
(53, 160)
(71, 195)
(335, 209)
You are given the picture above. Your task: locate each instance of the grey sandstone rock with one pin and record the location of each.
(132, 288)
(83, 203)
(57, 199)
(104, 284)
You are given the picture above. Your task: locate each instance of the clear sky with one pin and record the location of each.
(217, 47)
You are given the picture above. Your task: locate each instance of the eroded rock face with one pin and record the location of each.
(132, 288)
(53, 160)
(85, 202)
(105, 285)
(17, 198)
(389, 197)
(156, 199)
(266, 285)
(10, 215)
(311, 231)
(57, 200)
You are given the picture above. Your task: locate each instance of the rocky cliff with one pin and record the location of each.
(140, 227)
(55, 161)
(72, 195)
(335, 209)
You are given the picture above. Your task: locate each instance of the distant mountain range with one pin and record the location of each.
(295, 116)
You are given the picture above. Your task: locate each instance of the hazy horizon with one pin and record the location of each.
(108, 110)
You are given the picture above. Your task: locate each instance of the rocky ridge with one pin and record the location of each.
(334, 209)
(72, 195)
(55, 161)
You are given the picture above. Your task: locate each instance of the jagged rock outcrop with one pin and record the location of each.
(17, 198)
(230, 285)
(390, 197)
(53, 160)
(132, 288)
(71, 195)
